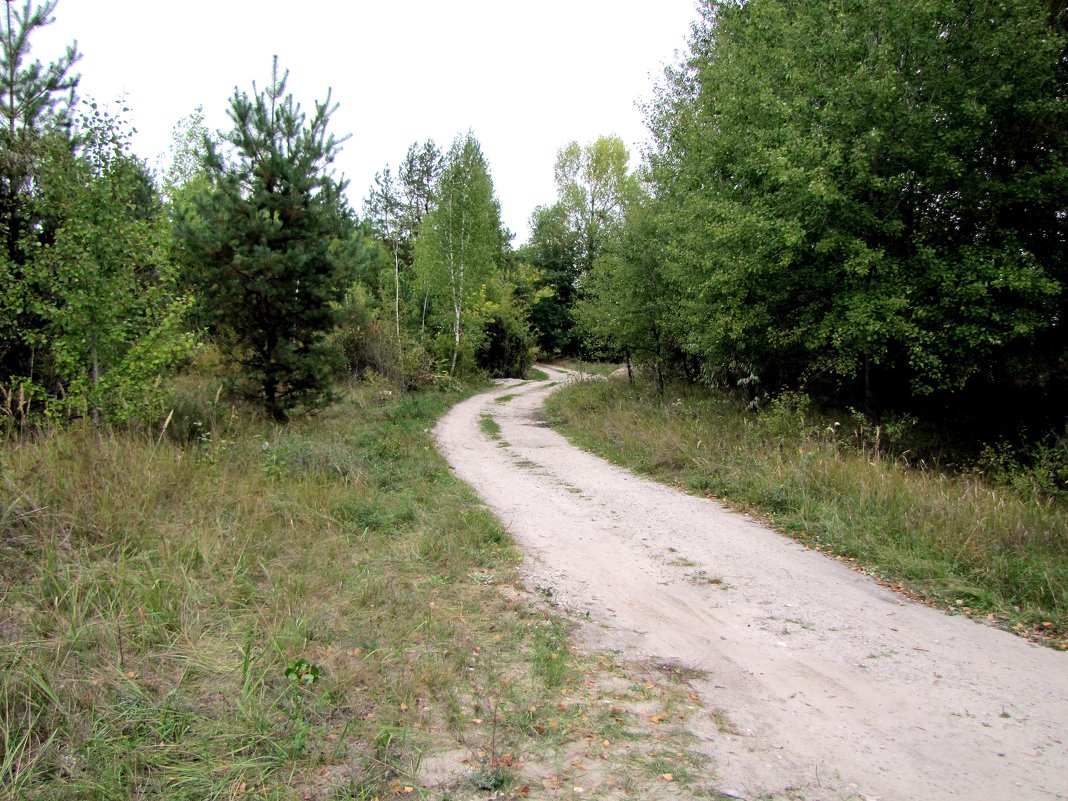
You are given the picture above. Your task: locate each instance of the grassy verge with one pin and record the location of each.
(589, 368)
(954, 541)
(313, 612)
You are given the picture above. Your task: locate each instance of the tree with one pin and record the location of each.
(114, 319)
(553, 250)
(386, 213)
(259, 248)
(462, 244)
(396, 206)
(868, 197)
(627, 306)
(593, 187)
(34, 98)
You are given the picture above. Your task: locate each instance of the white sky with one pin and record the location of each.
(525, 76)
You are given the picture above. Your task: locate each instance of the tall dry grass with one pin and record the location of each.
(956, 540)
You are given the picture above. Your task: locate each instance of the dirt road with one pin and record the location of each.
(817, 683)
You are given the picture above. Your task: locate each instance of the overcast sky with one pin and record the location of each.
(526, 77)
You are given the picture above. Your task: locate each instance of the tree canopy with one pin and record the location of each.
(868, 197)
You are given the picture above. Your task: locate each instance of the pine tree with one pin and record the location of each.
(33, 98)
(258, 247)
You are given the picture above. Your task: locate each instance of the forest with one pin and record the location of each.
(873, 216)
(850, 211)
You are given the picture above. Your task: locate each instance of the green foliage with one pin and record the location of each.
(109, 320)
(302, 672)
(460, 250)
(115, 318)
(34, 98)
(593, 190)
(554, 251)
(868, 197)
(504, 349)
(627, 308)
(260, 249)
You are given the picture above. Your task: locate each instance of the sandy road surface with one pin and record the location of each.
(828, 685)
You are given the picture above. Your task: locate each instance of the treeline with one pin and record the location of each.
(113, 278)
(863, 201)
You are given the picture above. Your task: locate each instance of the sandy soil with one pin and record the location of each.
(817, 682)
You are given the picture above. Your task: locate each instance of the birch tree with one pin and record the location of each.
(461, 246)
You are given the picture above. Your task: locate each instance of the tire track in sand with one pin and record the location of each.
(834, 686)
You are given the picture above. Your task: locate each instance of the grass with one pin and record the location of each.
(240, 611)
(488, 426)
(534, 374)
(589, 368)
(953, 540)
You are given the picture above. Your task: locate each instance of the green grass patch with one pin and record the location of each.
(954, 540)
(488, 426)
(506, 398)
(534, 374)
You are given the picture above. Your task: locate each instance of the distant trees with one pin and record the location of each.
(396, 206)
(259, 249)
(593, 188)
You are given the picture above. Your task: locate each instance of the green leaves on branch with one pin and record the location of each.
(95, 277)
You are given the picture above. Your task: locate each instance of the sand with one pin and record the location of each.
(817, 683)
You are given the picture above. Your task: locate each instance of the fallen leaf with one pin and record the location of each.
(667, 777)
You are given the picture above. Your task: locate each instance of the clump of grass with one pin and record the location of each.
(965, 544)
(534, 374)
(488, 426)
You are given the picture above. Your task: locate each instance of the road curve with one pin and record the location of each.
(824, 684)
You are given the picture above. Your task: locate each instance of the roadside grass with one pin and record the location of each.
(589, 368)
(988, 551)
(534, 374)
(234, 610)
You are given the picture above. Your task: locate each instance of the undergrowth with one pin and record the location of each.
(960, 542)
